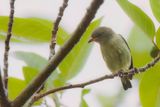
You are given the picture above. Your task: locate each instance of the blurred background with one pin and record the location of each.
(107, 93)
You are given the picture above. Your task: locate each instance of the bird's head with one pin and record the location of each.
(101, 34)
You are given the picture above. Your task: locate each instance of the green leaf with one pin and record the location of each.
(13, 39)
(158, 37)
(15, 86)
(33, 29)
(140, 46)
(52, 80)
(107, 101)
(31, 59)
(150, 88)
(2, 37)
(149, 81)
(35, 63)
(83, 102)
(110, 100)
(155, 4)
(154, 52)
(76, 59)
(138, 17)
(29, 73)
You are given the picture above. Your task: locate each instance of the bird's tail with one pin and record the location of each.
(126, 83)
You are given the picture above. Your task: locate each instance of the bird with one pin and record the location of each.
(115, 51)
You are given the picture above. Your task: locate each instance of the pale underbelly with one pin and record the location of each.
(117, 60)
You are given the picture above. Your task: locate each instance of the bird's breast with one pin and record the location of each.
(116, 57)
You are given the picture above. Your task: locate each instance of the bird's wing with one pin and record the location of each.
(131, 66)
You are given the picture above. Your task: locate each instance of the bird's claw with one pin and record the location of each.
(120, 74)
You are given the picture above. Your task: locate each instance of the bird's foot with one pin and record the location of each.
(132, 72)
(120, 74)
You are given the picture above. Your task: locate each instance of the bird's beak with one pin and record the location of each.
(91, 40)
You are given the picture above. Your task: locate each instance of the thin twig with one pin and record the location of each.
(129, 74)
(7, 42)
(53, 39)
(55, 28)
(58, 57)
(3, 98)
(54, 35)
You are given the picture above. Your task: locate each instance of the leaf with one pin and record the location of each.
(33, 29)
(76, 59)
(158, 37)
(150, 80)
(140, 46)
(13, 39)
(31, 59)
(150, 88)
(155, 4)
(2, 36)
(29, 73)
(15, 86)
(138, 17)
(107, 101)
(35, 63)
(154, 52)
(83, 102)
(50, 83)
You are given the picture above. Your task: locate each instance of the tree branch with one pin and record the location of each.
(53, 39)
(55, 28)
(129, 74)
(3, 98)
(59, 56)
(7, 41)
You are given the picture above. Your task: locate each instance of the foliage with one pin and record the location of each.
(38, 30)
(15, 87)
(141, 46)
(141, 42)
(155, 8)
(149, 81)
(31, 29)
(158, 37)
(83, 102)
(138, 17)
(72, 65)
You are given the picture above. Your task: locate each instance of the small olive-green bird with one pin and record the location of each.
(115, 52)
